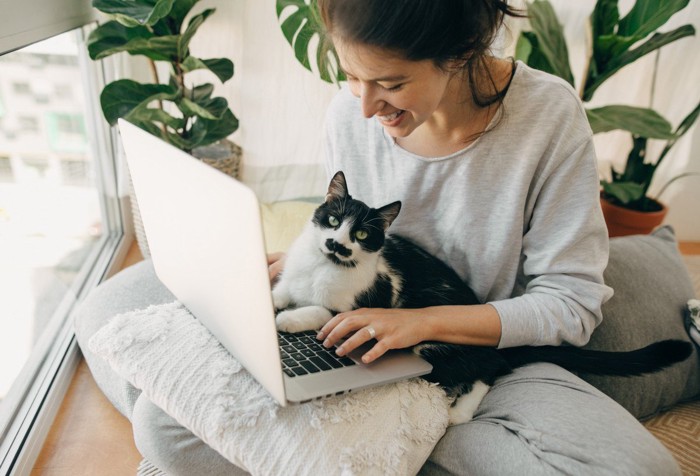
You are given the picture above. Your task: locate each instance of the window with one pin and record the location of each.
(21, 87)
(60, 219)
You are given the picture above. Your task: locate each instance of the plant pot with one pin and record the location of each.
(223, 155)
(624, 221)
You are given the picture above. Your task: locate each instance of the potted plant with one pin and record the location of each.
(615, 43)
(182, 114)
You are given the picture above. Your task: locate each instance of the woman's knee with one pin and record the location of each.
(171, 447)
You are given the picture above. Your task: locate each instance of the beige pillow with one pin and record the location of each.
(283, 222)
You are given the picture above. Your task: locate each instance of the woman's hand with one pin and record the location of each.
(400, 328)
(393, 329)
(275, 265)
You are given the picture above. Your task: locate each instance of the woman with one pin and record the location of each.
(495, 167)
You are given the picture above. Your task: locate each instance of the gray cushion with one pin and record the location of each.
(136, 287)
(652, 289)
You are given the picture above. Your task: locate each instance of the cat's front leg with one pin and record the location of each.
(307, 318)
(280, 297)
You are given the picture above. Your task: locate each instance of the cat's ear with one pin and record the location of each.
(388, 213)
(338, 188)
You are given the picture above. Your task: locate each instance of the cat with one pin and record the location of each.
(344, 259)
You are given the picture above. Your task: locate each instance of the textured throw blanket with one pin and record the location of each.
(179, 365)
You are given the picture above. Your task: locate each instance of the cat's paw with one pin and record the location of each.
(280, 299)
(303, 319)
(463, 409)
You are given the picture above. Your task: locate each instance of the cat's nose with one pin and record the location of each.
(336, 247)
(331, 244)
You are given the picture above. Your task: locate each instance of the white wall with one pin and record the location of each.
(281, 105)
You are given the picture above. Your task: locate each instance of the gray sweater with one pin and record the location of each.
(516, 213)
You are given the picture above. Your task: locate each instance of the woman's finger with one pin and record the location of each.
(275, 264)
(363, 335)
(338, 327)
(274, 257)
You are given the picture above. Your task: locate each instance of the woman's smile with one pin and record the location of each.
(393, 119)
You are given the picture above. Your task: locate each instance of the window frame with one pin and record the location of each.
(33, 402)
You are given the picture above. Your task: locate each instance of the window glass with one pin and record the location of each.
(50, 209)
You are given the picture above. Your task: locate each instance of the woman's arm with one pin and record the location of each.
(401, 328)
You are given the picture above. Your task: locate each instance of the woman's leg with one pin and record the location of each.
(544, 420)
(172, 448)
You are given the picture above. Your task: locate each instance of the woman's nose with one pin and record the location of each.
(371, 102)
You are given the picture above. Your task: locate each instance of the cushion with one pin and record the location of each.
(694, 320)
(164, 351)
(652, 290)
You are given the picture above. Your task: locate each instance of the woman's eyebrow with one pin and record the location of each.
(388, 79)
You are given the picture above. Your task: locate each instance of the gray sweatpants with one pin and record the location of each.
(539, 420)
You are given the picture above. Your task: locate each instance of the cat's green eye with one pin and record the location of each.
(333, 221)
(360, 234)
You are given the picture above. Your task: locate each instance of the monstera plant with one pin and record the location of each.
(616, 42)
(300, 25)
(184, 115)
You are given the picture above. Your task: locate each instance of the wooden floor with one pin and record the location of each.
(90, 437)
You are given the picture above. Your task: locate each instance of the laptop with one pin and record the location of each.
(205, 235)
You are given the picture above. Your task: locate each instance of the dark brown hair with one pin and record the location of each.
(439, 30)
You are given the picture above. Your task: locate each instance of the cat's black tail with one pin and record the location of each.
(648, 359)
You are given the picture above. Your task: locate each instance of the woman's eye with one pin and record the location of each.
(393, 88)
(333, 221)
(360, 234)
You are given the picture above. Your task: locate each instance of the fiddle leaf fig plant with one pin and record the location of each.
(616, 42)
(157, 30)
(300, 23)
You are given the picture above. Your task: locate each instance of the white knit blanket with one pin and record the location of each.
(178, 364)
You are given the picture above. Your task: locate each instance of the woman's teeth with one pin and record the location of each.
(391, 117)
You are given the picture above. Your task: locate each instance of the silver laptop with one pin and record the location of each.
(206, 240)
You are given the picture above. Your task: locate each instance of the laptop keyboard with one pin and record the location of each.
(302, 354)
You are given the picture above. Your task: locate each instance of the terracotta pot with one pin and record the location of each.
(623, 221)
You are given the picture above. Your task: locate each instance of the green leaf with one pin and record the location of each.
(685, 124)
(135, 12)
(111, 38)
(648, 15)
(177, 15)
(625, 192)
(144, 114)
(209, 109)
(121, 97)
(299, 28)
(192, 27)
(630, 56)
(604, 18)
(212, 131)
(201, 93)
(639, 121)
(523, 48)
(536, 59)
(221, 67)
(636, 169)
(550, 36)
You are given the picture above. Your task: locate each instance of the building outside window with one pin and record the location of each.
(60, 219)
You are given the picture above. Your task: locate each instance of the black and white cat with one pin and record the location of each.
(344, 260)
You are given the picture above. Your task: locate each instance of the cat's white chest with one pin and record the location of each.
(311, 279)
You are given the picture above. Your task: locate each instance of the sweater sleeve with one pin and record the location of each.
(565, 251)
